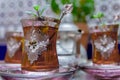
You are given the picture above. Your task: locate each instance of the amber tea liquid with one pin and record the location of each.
(39, 51)
(14, 48)
(105, 47)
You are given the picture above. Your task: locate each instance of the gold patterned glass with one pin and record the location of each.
(14, 47)
(39, 49)
(105, 44)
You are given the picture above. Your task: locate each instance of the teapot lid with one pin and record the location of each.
(68, 27)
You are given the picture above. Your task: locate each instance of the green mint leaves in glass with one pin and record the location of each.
(38, 12)
(40, 35)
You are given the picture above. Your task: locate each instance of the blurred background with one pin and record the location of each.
(12, 11)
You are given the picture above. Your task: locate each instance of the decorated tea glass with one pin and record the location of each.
(14, 47)
(105, 44)
(39, 48)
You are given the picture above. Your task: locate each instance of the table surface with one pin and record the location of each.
(78, 75)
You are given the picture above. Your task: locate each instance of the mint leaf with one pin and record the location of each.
(98, 15)
(30, 13)
(38, 12)
(36, 7)
(55, 6)
(42, 10)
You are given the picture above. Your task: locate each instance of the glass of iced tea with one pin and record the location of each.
(39, 47)
(105, 44)
(14, 47)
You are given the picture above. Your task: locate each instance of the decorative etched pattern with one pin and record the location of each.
(12, 45)
(105, 45)
(36, 44)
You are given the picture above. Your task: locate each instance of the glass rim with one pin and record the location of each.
(43, 18)
(14, 33)
(108, 25)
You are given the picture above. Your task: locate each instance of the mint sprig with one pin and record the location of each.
(38, 11)
(31, 13)
(36, 7)
(98, 16)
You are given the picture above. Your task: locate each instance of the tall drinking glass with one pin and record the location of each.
(39, 49)
(105, 44)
